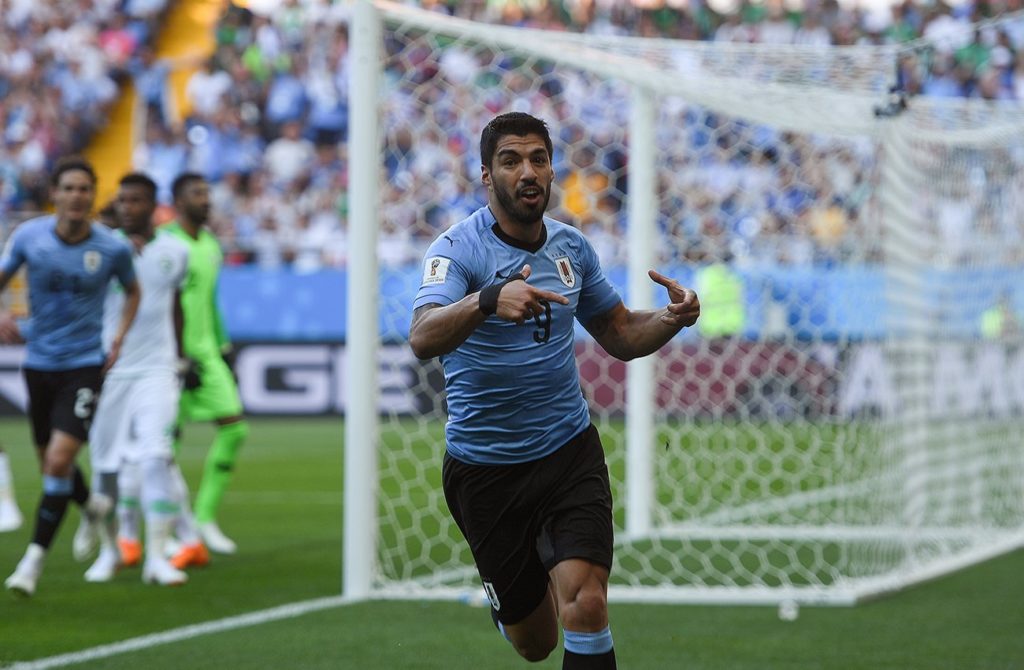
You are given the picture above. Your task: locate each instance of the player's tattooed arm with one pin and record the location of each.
(628, 334)
(438, 330)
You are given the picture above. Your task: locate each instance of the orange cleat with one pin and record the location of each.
(131, 551)
(191, 554)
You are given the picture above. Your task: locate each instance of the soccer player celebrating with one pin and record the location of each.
(134, 426)
(70, 264)
(205, 342)
(524, 473)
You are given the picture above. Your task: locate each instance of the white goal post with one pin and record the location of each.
(840, 426)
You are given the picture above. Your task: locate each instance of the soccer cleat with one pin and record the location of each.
(10, 515)
(160, 571)
(105, 566)
(191, 555)
(131, 551)
(86, 539)
(215, 540)
(87, 536)
(23, 581)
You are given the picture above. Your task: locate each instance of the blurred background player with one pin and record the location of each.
(206, 342)
(10, 514)
(136, 415)
(70, 264)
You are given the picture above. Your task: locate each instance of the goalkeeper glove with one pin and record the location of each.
(188, 371)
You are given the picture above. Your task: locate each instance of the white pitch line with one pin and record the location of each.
(289, 611)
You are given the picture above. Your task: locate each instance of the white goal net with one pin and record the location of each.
(845, 420)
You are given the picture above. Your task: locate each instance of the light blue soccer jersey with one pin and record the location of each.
(67, 284)
(513, 390)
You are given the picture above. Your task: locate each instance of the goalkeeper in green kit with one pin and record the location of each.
(205, 342)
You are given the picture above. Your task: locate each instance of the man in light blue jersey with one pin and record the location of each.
(524, 473)
(69, 264)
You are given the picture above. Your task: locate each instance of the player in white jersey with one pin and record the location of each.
(138, 409)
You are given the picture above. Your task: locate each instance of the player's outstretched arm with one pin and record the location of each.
(628, 334)
(438, 330)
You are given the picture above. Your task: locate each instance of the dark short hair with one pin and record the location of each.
(140, 179)
(182, 181)
(70, 164)
(511, 123)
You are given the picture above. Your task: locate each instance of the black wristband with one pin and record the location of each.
(489, 295)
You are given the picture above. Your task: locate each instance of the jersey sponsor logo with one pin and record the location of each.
(435, 270)
(565, 272)
(91, 260)
(492, 595)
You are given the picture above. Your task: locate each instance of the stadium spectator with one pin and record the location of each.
(583, 185)
(165, 155)
(289, 156)
(206, 90)
(151, 75)
(118, 42)
(1001, 321)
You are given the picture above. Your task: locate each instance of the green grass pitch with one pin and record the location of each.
(285, 510)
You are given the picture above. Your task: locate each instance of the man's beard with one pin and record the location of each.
(198, 215)
(520, 212)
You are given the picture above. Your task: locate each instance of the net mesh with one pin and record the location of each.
(815, 436)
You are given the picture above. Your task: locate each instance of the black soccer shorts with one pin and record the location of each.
(522, 519)
(62, 400)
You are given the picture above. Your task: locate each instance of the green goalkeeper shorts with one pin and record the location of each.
(216, 397)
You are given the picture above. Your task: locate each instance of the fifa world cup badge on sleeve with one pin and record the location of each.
(435, 270)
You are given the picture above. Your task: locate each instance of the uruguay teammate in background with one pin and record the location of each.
(524, 473)
(205, 341)
(70, 264)
(133, 432)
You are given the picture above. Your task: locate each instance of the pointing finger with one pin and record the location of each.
(659, 278)
(526, 271)
(553, 297)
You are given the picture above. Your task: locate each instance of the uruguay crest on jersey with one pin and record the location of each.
(565, 272)
(91, 260)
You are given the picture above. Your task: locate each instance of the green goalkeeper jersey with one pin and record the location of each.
(204, 335)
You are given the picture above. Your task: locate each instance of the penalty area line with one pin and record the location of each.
(278, 613)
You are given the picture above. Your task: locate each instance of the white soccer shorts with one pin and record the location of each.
(134, 420)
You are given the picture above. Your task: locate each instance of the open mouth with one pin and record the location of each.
(531, 194)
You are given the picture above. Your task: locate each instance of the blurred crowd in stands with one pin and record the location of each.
(61, 65)
(269, 122)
